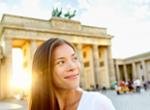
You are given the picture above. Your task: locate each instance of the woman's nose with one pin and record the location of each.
(71, 65)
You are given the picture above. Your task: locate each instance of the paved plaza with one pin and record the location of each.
(12, 104)
(129, 101)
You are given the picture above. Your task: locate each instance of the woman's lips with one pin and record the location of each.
(75, 76)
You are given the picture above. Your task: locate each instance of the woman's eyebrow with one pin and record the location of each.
(74, 54)
(59, 58)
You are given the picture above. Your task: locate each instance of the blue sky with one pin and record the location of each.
(127, 20)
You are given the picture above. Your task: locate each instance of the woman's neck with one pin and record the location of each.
(68, 98)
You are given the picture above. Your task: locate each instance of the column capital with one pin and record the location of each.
(79, 46)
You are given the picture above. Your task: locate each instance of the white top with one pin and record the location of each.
(94, 101)
(137, 82)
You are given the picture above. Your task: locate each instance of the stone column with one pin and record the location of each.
(144, 70)
(32, 49)
(1, 84)
(110, 65)
(106, 66)
(1, 52)
(6, 74)
(125, 72)
(80, 53)
(134, 71)
(148, 70)
(96, 65)
(118, 72)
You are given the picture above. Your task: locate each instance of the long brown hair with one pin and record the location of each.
(43, 91)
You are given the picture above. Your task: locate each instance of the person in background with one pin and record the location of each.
(137, 84)
(145, 86)
(56, 73)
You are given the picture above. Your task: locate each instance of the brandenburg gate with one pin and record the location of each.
(93, 43)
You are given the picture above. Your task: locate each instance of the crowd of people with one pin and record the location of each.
(137, 85)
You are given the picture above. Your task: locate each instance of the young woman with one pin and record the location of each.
(55, 80)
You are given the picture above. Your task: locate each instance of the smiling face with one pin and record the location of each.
(66, 67)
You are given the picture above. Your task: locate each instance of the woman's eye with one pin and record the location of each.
(60, 62)
(75, 58)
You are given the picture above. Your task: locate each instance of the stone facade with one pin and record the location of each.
(93, 43)
(133, 67)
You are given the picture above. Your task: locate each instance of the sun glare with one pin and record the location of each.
(21, 80)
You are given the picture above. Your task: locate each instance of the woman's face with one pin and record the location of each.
(66, 67)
